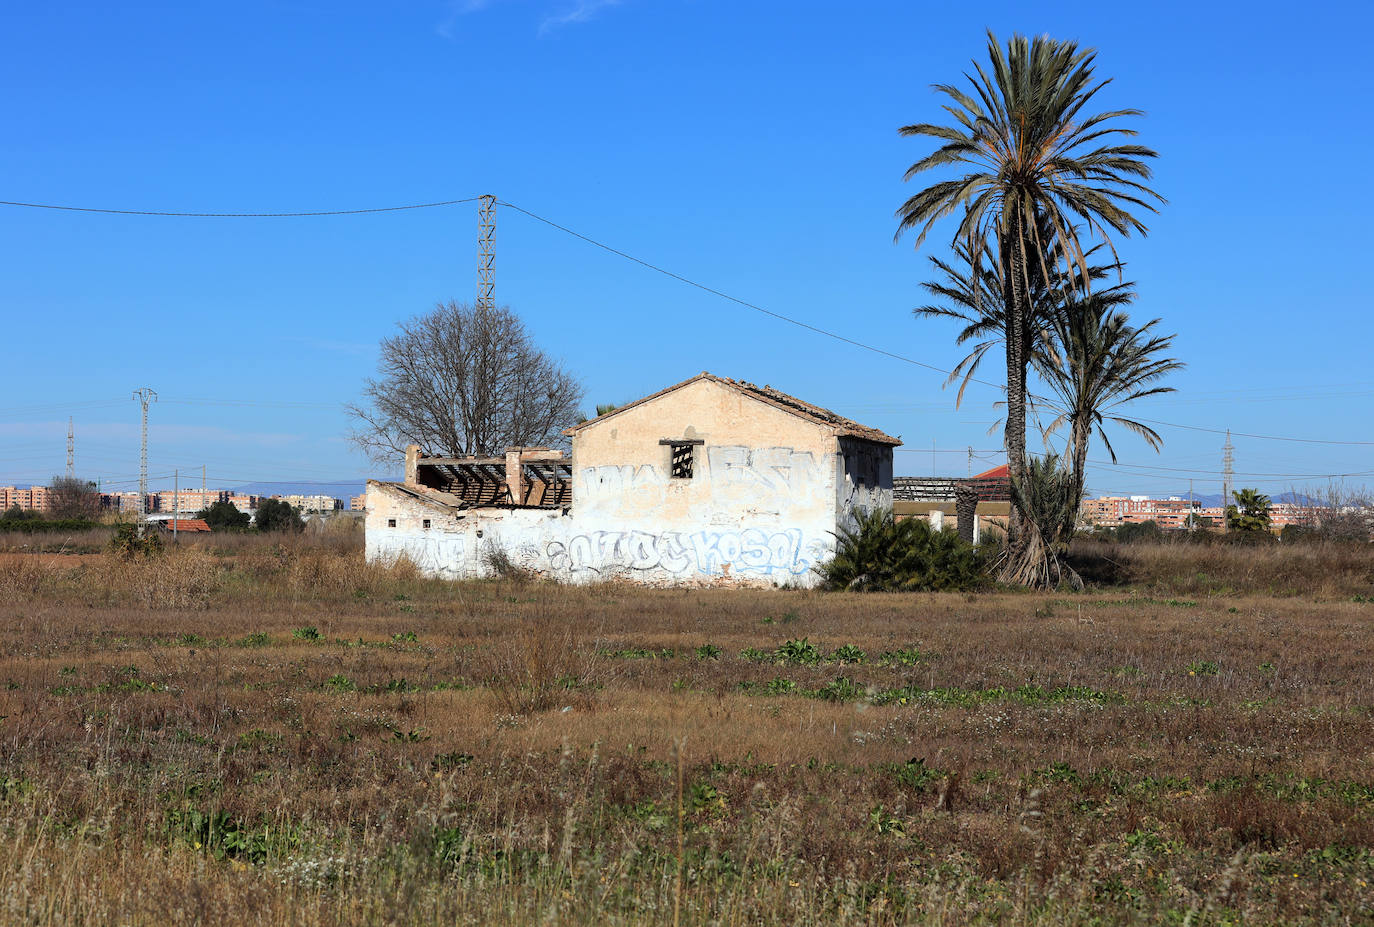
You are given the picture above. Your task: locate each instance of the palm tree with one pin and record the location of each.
(1100, 363)
(972, 291)
(1031, 159)
(1250, 514)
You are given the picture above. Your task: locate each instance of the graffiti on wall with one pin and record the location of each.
(435, 554)
(618, 479)
(751, 551)
(769, 469)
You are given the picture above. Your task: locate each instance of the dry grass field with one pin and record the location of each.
(262, 734)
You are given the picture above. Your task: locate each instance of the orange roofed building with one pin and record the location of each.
(184, 525)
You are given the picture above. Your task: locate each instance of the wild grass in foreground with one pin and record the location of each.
(283, 734)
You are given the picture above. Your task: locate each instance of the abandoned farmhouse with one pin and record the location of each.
(709, 482)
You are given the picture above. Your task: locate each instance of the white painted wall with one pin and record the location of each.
(743, 540)
(768, 492)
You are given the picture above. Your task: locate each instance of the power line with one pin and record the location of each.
(1158, 472)
(239, 215)
(1242, 434)
(868, 347)
(265, 403)
(734, 299)
(657, 269)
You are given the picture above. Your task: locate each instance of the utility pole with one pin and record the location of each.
(1228, 459)
(176, 508)
(71, 449)
(933, 468)
(486, 256)
(144, 396)
(970, 460)
(1191, 517)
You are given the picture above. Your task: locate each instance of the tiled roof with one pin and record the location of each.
(843, 426)
(186, 524)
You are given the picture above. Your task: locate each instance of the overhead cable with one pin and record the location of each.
(240, 215)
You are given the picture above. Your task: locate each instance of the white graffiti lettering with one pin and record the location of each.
(439, 555)
(616, 480)
(767, 469)
(711, 553)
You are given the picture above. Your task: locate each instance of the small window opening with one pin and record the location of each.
(391, 522)
(681, 468)
(860, 471)
(426, 523)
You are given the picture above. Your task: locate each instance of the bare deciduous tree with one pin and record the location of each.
(1340, 513)
(464, 380)
(70, 497)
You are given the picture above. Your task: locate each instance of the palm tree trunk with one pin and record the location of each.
(1082, 432)
(1013, 250)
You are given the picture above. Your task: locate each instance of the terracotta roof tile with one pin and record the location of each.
(186, 524)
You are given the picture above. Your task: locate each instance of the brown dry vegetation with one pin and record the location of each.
(260, 733)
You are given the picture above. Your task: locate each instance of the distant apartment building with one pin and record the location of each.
(127, 502)
(1113, 511)
(358, 503)
(33, 499)
(311, 503)
(189, 501)
(1283, 514)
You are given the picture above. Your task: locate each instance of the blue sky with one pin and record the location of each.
(752, 147)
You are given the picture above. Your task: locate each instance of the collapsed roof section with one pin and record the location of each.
(526, 477)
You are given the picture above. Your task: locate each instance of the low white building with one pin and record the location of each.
(709, 482)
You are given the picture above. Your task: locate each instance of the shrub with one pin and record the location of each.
(127, 545)
(225, 516)
(882, 554)
(799, 652)
(1046, 498)
(497, 561)
(539, 665)
(33, 523)
(1145, 532)
(276, 515)
(849, 653)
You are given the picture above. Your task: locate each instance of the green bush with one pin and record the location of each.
(798, 652)
(32, 523)
(225, 516)
(1144, 532)
(882, 554)
(127, 545)
(276, 515)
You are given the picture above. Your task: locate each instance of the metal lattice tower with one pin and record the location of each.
(1228, 459)
(71, 448)
(144, 396)
(486, 256)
